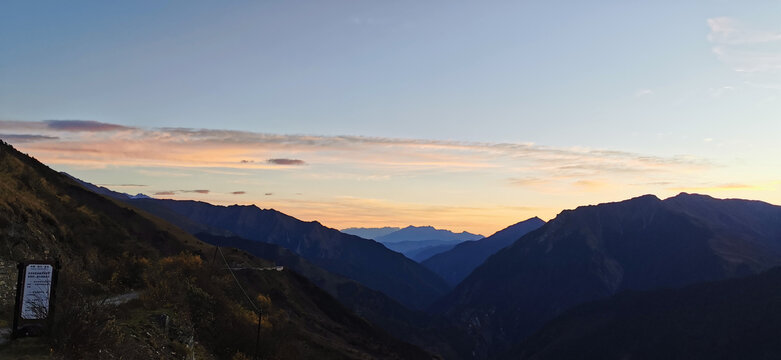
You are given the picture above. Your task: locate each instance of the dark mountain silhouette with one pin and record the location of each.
(107, 248)
(596, 251)
(365, 261)
(746, 234)
(729, 319)
(162, 212)
(370, 233)
(454, 265)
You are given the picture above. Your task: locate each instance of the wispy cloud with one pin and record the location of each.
(744, 48)
(749, 61)
(25, 138)
(726, 30)
(528, 181)
(643, 93)
(377, 156)
(122, 185)
(721, 91)
(728, 187)
(63, 125)
(175, 192)
(196, 191)
(591, 185)
(286, 162)
(82, 125)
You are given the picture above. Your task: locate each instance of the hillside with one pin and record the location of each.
(596, 251)
(106, 248)
(437, 335)
(362, 260)
(730, 319)
(454, 265)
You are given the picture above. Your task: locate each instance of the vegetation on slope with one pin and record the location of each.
(107, 249)
(729, 319)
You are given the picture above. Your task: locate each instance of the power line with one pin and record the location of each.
(249, 299)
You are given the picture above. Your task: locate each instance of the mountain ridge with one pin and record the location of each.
(363, 260)
(411, 326)
(428, 232)
(353, 257)
(594, 251)
(457, 263)
(370, 232)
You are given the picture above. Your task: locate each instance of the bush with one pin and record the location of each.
(84, 328)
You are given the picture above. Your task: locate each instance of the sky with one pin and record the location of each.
(463, 115)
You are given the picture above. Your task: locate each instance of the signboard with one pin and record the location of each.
(37, 287)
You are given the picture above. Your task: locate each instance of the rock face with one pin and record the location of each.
(595, 251)
(454, 265)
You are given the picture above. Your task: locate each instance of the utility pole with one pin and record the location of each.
(257, 338)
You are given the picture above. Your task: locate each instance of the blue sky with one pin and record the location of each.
(695, 80)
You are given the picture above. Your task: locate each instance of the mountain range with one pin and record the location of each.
(370, 233)
(422, 242)
(593, 252)
(690, 276)
(407, 324)
(454, 265)
(363, 260)
(420, 233)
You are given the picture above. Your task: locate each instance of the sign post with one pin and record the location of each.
(34, 298)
